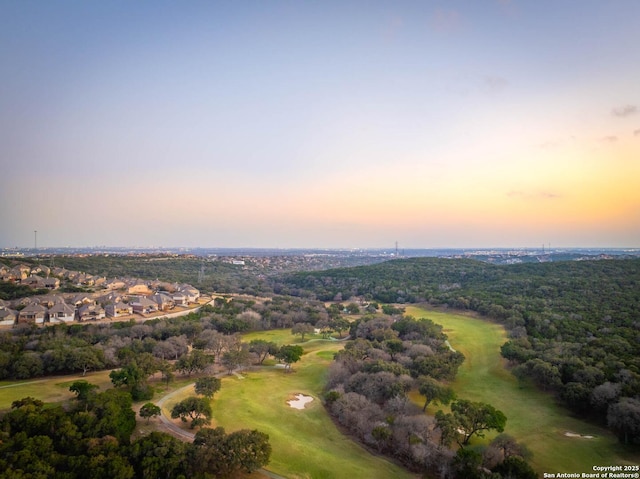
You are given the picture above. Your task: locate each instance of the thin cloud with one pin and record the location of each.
(537, 195)
(445, 20)
(636, 132)
(393, 27)
(624, 111)
(495, 83)
(610, 139)
(549, 145)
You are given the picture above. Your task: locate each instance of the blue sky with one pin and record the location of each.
(320, 124)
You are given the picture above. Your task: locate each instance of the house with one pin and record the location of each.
(179, 298)
(91, 312)
(143, 305)
(117, 309)
(60, 272)
(47, 300)
(61, 312)
(34, 281)
(82, 299)
(5, 274)
(190, 292)
(164, 301)
(115, 284)
(8, 317)
(84, 279)
(162, 286)
(111, 297)
(139, 287)
(32, 313)
(51, 283)
(40, 268)
(20, 272)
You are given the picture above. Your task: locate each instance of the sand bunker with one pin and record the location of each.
(300, 401)
(573, 434)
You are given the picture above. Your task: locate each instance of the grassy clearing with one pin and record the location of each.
(306, 443)
(51, 389)
(533, 417)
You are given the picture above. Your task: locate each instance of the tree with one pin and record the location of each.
(393, 347)
(516, 468)
(624, 418)
(223, 455)
(340, 324)
(159, 455)
(150, 410)
(262, 348)
(432, 390)
(508, 446)
(235, 358)
(476, 417)
(290, 354)
(302, 329)
(448, 427)
(110, 413)
(353, 308)
(208, 386)
(194, 408)
(197, 361)
(84, 359)
(83, 390)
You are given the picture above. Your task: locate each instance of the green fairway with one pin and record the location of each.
(52, 389)
(306, 443)
(533, 417)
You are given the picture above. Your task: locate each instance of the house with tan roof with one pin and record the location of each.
(179, 298)
(51, 283)
(143, 305)
(40, 268)
(115, 284)
(32, 313)
(82, 299)
(139, 287)
(164, 301)
(20, 272)
(33, 281)
(190, 292)
(117, 309)
(91, 312)
(8, 317)
(61, 312)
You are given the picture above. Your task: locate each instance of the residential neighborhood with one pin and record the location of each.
(109, 299)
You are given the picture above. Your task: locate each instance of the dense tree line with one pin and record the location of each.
(92, 440)
(29, 351)
(367, 392)
(574, 326)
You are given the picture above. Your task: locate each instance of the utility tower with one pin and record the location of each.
(201, 273)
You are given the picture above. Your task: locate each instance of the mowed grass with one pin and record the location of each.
(306, 443)
(52, 389)
(533, 417)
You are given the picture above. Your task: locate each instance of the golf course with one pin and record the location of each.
(306, 443)
(559, 442)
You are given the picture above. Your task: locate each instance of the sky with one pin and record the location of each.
(320, 124)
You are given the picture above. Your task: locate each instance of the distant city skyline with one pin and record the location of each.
(337, 124)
